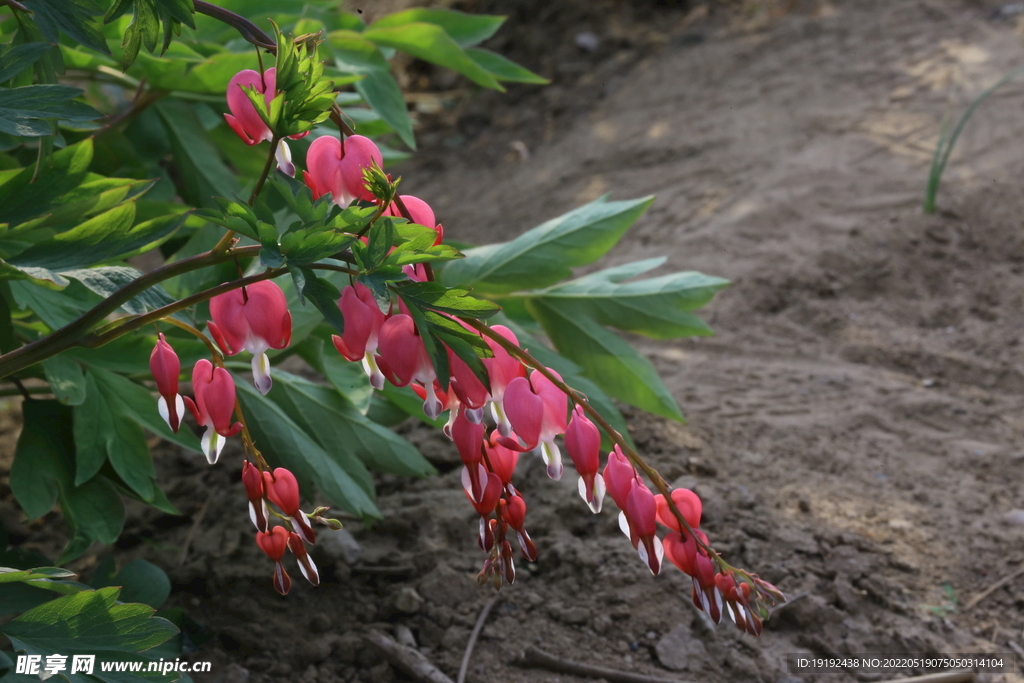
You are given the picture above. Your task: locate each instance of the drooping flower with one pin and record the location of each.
(253, 482)
(689, 506)
(275, 544)
(583, 441)
(537, 409)
(213, 406)
(501, 370)
(243, 118)
(306, 564)
(283, 491)
(166, 368)
(337, 167)
(469, 439)
(404, 359)
(641, 513)
(252, 319)
(514, 513)
(363, 320)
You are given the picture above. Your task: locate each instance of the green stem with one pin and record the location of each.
(68, 336)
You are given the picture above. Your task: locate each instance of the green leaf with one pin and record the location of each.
(287, 445)
(23, 199)
(19, 58)
(382, 238)
(380, 90)
(43, 472)
(89, 621)
(136, 402)
(106, 280)
(456, 301)
(104, 432)
(66, 379)
(25, 111)
(348, 378)
(546, 254)
(56, 309)
(270, 254)
(430, 43)
(465, 29)
(324, 296)
(504, 69)
(142, 582)
(655, 307)
(88, 199)
(71, 17)
(201, 173)
(179, 10)
(608, 360)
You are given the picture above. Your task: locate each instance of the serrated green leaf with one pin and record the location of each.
(23, 199)
(86, 200)
(90, 621)
(285, 444)
(465, 29)
(98, 239)
(55, 308)
(19, 58)
(71, 17)
(66, 379)
(546, 254)
(608, 360)
(656, 307)
(431, 43)
(504, 69)
(26, 111)
(455, 300)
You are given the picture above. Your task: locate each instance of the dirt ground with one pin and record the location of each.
(855, 428)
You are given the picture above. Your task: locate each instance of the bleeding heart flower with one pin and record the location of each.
(337, 167)
(537, 408)
(275, 543)
(243, 118)
(213, 406)
(254, 318)
(283, 491)
(641, 513)
(363, 320)
(583, 441)
(404, 359)
(689, 506)
(253, 482)
(166, 368)
(306, 564)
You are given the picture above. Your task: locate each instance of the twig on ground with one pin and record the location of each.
(944, 677)
(992, 589)
(474, 635)
(411, 661)
(540, 659)
(1017, 649)
(192, 532)
(789, 602)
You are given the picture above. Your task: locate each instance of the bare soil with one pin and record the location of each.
(854, 428)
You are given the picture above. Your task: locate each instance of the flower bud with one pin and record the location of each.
(166, 368)
(253, 482)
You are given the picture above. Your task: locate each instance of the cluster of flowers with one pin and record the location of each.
(528, 409)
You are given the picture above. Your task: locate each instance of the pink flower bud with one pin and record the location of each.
(213, 406)
(492, 492)
(253, 320)
(688, 504)
(502, 460)
(253, 482)
(166, 368)
(337, 167)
